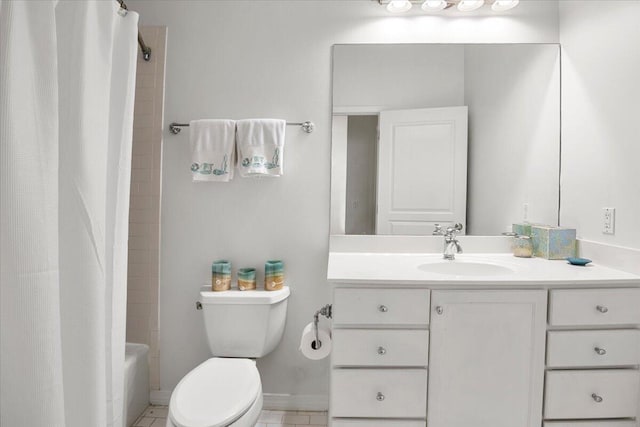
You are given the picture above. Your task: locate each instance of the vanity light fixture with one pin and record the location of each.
(400, 6)
(502, 5)
(470, 5)
(434, 5)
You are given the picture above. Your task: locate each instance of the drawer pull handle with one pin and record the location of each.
(383, 308)
(380, 397)
(602, 308)
(382, 351)
(439, 310)
(597, 398)
(600, 351)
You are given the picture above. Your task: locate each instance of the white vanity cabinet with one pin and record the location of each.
(380, 357)
(415, 357)
(593, 355)
(484, 353)
(486, 363)
(544, 345)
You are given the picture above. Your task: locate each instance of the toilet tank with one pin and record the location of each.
(244, 323)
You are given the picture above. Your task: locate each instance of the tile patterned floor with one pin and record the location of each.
(292, 419)
(153, 416)
(156, 416)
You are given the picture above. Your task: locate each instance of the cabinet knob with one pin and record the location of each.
(439, 309)
(380, 397)
(382, 351)
(597, 398)
(600, 351)
(383, 308)
(602, 308)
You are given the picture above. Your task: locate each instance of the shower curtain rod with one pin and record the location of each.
(146, 50)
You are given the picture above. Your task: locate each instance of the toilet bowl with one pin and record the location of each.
(219, 392)
(226, 391)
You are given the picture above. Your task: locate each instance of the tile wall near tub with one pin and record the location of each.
(144, 211)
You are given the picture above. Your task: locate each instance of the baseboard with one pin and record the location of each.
(296, 402)
(272, 401)
(159, 397)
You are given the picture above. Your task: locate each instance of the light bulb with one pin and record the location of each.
(431, 5)
(469, 5)
(502, 5)
(398, 6)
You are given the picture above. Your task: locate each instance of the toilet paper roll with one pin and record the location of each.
(309, 336)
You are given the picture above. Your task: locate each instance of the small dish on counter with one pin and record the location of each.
(578, 261)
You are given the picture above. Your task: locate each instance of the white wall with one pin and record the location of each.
(272, 59)
(513, 94)
(601, 118)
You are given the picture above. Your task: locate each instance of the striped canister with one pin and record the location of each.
(246, 279)
(221, 275)
(273, 275)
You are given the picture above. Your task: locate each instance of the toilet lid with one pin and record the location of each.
(215, 393)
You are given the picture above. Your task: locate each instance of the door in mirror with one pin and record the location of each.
(422, 170)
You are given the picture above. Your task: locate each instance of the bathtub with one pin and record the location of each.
(136, 381)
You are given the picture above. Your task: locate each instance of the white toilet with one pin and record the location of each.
(225, 391)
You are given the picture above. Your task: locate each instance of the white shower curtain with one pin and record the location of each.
(67, 78)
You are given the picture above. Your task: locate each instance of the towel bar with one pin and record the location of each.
(176, 128)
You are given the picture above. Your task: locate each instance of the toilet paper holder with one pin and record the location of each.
(326, 312)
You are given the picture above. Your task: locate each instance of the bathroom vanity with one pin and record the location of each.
(486, 340)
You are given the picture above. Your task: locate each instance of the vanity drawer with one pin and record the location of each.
(575, 394)
(594, 307)
(379, 423)
(369, 347)
(574, 349)
(611, 423)
(379, 393)
(357, 306)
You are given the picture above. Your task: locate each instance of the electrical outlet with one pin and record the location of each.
(609, 220)
(525, 212)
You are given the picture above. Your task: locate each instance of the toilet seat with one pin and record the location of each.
(216, 393)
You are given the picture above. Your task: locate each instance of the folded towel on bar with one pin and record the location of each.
(212, 149)
(260, 147)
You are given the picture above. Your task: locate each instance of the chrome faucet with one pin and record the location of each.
(451, 244)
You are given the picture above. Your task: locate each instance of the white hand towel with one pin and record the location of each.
(212, 149)
(260, 147)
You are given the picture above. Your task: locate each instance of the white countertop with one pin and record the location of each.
(402, 268)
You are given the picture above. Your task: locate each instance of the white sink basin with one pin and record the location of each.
(465, 268)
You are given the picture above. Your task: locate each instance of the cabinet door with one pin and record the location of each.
(486, 359)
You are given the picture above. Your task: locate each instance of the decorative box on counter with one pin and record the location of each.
(553, 242)
(522, 229)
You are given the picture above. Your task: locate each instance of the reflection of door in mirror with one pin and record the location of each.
(407, 170)
(513, 97)
(422, 170)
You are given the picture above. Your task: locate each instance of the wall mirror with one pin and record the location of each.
(444, 133)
